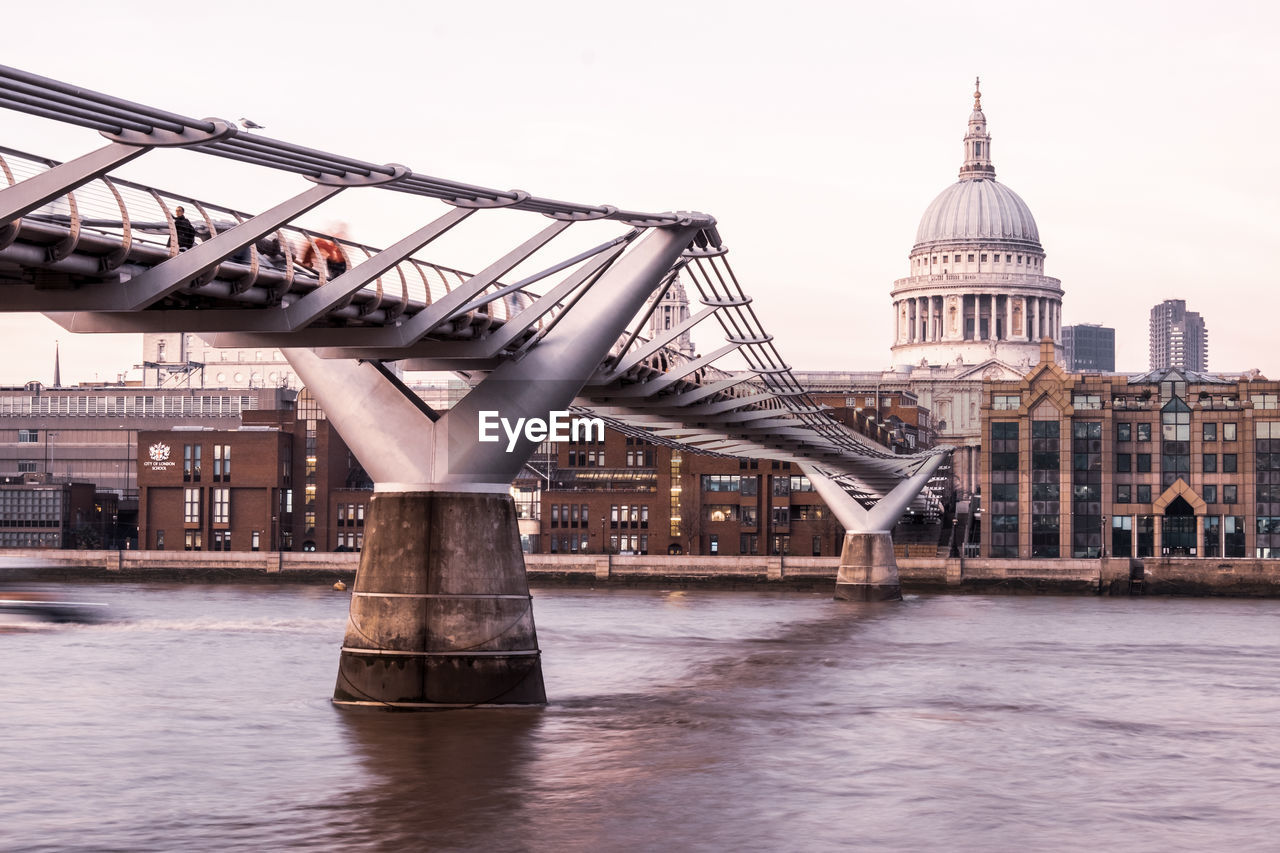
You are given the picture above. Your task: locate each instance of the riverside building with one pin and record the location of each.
(1168, 463)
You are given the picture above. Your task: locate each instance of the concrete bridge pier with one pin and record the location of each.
(440, 612)
(868, 570)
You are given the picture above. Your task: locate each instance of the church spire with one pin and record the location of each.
(977, 142)
(57, 366)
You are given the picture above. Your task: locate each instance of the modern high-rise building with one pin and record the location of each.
(1178, 337)
(1089, 348)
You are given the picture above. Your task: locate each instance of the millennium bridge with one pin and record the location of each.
(440, 614)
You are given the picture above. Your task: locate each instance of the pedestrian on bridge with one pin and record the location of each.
(326, 248)
(184, 229)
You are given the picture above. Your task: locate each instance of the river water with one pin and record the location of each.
(198, 718)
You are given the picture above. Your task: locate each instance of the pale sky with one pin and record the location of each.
(1142, 136)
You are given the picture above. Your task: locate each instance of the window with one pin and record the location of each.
(221, 506)
(1209, 431)
(1124, 463)
(780, 516)
(1122, 536)
(1144, 493)
(1004, 489)
(1144, 432)
(1233, 535)
(1144, 463)
(970, 258)
(1265, 401)
(1005, 402)
(1124, 432)
(720, 512)
(28, 436)
(1228, 463)
(800, 483)
(1045, 492)
(1086, 401)
(721, 482)
(1229, 431)
(221, 463)
(1210, 494)
(221, 540)
(1086, 489)
(1212, 535)
(1123, 493)
(192, 540)
(255, 540)
(1210, 463)
(781, 487)
(191, 506)
(27, 467)
(1229, 497)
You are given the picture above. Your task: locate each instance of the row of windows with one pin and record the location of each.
(192, 463)
(350, 541)
(981, 258)
(586, 458)
(750, 484)
(569, 515)
(219, 501)
(186, 404)
(569, 543)
(352, 514)
(33, 539)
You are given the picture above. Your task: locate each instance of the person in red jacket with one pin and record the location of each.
(330, 250)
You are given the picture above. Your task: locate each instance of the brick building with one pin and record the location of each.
(1167, 463)
(626, 495)
(37, 512)
(284, 480)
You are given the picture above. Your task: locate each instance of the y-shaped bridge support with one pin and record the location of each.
(868, 569)
(440, 612)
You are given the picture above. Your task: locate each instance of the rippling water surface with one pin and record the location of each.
(198, 718)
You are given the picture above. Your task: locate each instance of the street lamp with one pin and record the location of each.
(1104, 536)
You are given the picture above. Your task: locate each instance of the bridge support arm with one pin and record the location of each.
(868, 569)
(440, 613)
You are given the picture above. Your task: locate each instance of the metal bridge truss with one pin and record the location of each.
(100, 254)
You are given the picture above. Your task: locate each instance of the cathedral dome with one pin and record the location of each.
(979, 210)
(976, 290)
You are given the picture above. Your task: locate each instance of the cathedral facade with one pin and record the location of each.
(976, 304)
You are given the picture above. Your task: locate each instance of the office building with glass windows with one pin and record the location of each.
(1168, 463)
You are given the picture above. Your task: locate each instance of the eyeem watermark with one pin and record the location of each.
(559, 426)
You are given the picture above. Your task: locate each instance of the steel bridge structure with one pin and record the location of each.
(440, 614)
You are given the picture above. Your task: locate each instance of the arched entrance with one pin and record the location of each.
(1178, 534)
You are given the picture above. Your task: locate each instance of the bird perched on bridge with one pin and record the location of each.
(249, 124)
